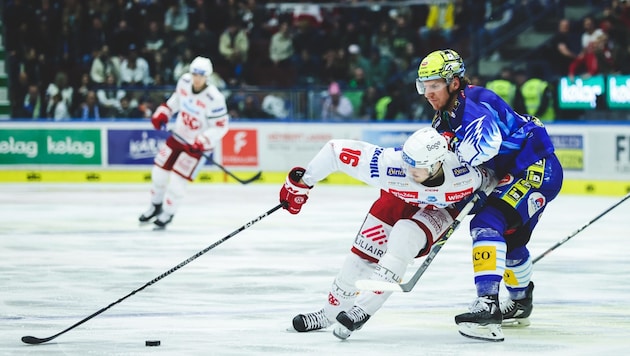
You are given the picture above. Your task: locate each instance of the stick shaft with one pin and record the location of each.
(221, 167)
(35, 340)
(561, 242)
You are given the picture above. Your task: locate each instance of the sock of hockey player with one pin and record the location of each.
(350, 321)
(483, 322)
(311, 321)
(516, 312)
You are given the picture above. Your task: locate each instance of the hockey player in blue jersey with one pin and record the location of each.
(483, 129)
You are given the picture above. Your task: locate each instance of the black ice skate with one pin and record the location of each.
(162, 220)
(350, 321)
(311, 321)
(516, 312)
(483, 322)
(151, 213)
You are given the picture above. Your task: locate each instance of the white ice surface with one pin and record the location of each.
(70, 250)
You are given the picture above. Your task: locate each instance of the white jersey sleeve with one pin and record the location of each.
(383, 168)
(199, 114)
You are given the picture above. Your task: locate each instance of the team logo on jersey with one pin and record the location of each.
(461, 170)
(508, 179)
(457, 196)
(535, 202)
(395, 172)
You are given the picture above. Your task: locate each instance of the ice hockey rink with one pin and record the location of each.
(69, 250)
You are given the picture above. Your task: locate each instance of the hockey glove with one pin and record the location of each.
(160, 116)
(198, 146)
(293, 193)
(481, 201)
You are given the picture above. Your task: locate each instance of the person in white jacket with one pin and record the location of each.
(202, 121)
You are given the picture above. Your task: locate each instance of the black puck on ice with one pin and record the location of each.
(152, 343)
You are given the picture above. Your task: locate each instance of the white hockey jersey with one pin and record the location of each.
(383, 168)
(204, 113)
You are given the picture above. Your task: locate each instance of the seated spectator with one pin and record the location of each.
(596, 59)
(125, 110)
(504, 86)
(33, 107)
(252, 110)
(90, 109)
(275, 106)
(103, 65)
(176, 19)
(233, 47)
(370, 97)
(134, 70)
(57, 108)
(336, 106)
(281, 46)
(60, 85)
(109, 96)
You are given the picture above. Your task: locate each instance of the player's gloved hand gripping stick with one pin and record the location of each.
(198, 147)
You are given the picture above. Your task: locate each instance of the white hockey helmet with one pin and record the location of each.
(201, 65)
(424, 148)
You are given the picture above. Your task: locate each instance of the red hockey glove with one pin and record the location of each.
(160, 116)
(293, 193)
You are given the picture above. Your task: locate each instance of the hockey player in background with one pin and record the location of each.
(420, 185)
(483, 129)
(202, 121)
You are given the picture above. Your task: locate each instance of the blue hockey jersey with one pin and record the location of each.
(487, 130)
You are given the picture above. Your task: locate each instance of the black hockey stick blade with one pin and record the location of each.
(32, 340)
(225, 170)
(242, 181)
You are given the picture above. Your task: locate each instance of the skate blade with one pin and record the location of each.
(159, 228)
(341, 332)
(516, 323)
(490, 332)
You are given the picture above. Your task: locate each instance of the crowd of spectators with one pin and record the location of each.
(89, 58)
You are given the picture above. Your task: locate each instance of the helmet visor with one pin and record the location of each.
(430, 86)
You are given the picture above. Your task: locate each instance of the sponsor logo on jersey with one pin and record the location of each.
(395, 172)
(461, 170)
(374, 163)
(397, 183)
(404, 195)
(200, 104)
(457, 196)
(535, 202)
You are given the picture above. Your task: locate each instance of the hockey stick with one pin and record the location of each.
(368, 284)
(212, 161)
(35, 340)
(559, 243)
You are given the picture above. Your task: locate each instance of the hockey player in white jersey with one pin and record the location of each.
(420, 185)
(202, 121)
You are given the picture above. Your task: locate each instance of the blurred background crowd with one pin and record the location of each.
(343, 60)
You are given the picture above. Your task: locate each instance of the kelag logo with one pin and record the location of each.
(50, 147)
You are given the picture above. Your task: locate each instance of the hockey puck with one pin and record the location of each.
(152, 343)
